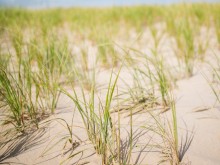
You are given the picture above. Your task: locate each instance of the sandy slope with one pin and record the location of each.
(191, 94)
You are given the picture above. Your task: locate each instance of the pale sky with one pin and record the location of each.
(86, 3)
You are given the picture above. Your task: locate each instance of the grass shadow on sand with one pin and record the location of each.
(20, 144)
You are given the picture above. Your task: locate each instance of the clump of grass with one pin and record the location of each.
(156, 37)
(160, 75)
(32, 79)
(98, 121)
(185, 43)
(83, 72)
(180, 26)
(51, 61)
(152, 82)
(21, 110)
(171, 149)
(140, 89)
(202, 47)
(155, 73)
(107, 53)
(16, 89)
(85, 61)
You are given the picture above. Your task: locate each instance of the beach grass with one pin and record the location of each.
(47, 54)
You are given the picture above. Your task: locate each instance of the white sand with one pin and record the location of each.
(191, 94)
